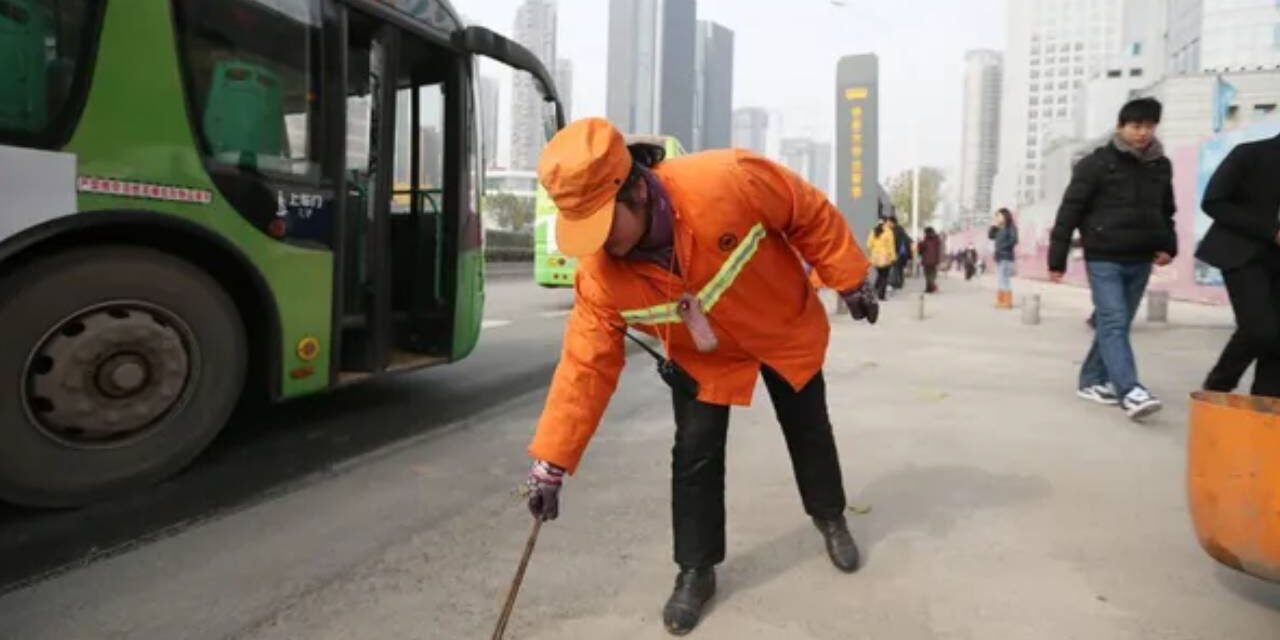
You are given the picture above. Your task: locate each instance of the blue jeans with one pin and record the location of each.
(1117, 291)
(1004, 275)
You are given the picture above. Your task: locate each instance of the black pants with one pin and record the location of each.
(931, 278)
(882, 281)
(697, 465)
(1254, 290)
(1235, 359)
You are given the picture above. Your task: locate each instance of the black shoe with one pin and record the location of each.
(694, 587)
(840, 544)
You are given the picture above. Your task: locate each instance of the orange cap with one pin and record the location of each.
(582, 169)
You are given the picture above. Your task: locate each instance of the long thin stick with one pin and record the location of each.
(515, 584)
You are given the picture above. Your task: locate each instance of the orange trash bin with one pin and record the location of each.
(1233, 480)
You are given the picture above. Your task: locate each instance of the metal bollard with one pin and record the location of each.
(1157, 306)
(920, 307)
(1031, 309)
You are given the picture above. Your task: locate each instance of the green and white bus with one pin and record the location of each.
(550, 267)
(203, 202)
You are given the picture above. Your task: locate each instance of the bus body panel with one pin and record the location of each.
(117, 149)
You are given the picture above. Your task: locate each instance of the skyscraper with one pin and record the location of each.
(713, 91)
(820, 172)
(980, 133)
(564, 85)
(751, 129)
(535, 28)
(1053, 47)
(809, 159)
(651, 62)
(489, 119)
(1222, 35)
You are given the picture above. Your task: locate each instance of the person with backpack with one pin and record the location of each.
(1120, 198)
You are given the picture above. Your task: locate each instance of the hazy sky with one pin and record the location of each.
(785, 54)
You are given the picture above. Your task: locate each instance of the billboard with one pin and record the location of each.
(857, 141)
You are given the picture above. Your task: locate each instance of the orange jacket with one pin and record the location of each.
(739, 222)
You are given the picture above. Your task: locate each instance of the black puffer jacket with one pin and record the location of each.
(1122, 206)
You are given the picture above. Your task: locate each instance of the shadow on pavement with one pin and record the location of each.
(926, 499)
(1253, 589)
(932, 499)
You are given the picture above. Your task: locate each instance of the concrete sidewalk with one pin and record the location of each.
(1001, 507)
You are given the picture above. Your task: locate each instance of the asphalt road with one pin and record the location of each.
(283, 447)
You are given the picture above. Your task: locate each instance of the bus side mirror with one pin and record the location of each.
(481, 41)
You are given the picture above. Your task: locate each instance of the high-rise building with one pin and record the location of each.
(1189, 102)
(1053, 47)
(751, 129)
(651, 61)
(1222, 35)
(489, 120)
(564, 85)
(809, 159)
(821, 171)
(713, 91)
(405, 137)
(535, 28)
(980, 134)
(431, 167)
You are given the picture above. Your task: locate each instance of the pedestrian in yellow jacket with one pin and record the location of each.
(882, 246)
(699, 251)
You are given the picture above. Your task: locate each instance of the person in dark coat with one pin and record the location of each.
(1243, 198)
(1004, 235)
(930, 252)
(902, 241)
(1120, 198)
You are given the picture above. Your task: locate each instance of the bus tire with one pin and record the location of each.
(126, 361)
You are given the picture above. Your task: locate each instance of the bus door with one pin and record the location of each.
(398, 248)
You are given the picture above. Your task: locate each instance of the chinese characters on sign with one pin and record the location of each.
(856, 96)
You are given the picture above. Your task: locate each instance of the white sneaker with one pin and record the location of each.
(1100, 393)
(1139, 403)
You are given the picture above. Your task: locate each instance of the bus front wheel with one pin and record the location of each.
(122, 363)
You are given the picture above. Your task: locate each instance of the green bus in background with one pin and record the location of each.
(550, 267)
(203, 202)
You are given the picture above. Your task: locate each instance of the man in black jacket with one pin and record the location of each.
(1121, 200)
(1243, 198)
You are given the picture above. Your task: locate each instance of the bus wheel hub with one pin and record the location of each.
(107, 373)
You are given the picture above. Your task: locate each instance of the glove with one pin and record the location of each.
(862, 303)
(544, 490)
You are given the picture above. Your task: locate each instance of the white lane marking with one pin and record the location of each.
(494, 324)
(554, 314)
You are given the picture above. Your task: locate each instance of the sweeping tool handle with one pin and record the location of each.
(515, 584)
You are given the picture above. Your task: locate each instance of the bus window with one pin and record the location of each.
(429, 140)
(253, 78)
(43, 44)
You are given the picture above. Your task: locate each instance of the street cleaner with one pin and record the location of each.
(705, 253)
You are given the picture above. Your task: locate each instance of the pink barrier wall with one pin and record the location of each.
(1184, 279)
